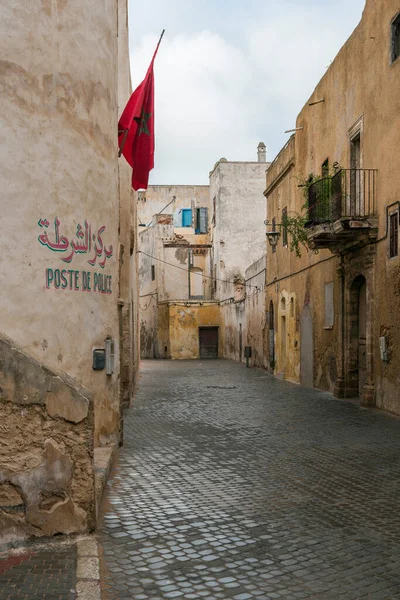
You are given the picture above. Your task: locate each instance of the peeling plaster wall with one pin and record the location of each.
(61, 98)
(184, 323)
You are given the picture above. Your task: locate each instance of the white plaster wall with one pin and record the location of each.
(175, 274)
(58, 158)
(239, 231)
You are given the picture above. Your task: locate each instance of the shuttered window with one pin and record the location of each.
(201, 220)
(394, 235)
(186, 217)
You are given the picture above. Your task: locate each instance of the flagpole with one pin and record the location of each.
(159, 42)
(126, 131)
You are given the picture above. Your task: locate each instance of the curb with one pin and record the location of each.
(88, 569)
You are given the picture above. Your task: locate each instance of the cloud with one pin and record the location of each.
(219, 95)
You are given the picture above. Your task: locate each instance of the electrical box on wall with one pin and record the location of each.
(383, 348)
(99, 359)
(109, 350)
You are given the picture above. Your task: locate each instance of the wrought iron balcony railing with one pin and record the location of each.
(350, 193)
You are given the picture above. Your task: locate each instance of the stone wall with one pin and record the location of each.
(46, 449)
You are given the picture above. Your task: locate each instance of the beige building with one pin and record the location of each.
(68, 305)
(335, 312)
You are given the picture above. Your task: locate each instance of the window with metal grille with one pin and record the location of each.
(285, 227)
(394, 235)
(395, 38)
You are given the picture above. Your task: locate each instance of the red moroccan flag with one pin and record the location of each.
(136, 130)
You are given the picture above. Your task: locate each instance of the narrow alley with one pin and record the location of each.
(232, 484)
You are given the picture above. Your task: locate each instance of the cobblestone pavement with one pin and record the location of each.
(45, 574)
(232, 484)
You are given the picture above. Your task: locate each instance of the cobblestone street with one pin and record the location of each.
(39, 574)
(232, 484)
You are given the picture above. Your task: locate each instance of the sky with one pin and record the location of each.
(231, 73)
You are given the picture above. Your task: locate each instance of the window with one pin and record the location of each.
(274, 229)
(284, 227)
(393, 234)
(201, 220)
(329, 312)
(153, 272)
(186, 217)
(395, 38)
(325, 168)
(214, 219)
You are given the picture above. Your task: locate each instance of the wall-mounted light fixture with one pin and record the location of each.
(273, 237)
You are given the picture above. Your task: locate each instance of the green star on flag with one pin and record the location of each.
(137, 118)
(142, 122)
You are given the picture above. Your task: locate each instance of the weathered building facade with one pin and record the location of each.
(195, 245)
(174, 265)
(335, 312)
(238, 240)
(68, 280)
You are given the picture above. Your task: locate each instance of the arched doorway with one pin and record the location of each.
(271, 336)
(358, 337)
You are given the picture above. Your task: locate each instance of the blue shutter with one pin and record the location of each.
(186, 217)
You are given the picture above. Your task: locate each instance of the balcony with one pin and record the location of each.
(342, 210)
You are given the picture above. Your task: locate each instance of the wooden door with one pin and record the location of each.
(208, 339)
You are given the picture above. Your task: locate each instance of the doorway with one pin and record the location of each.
(271, 336)
(356, 203)
(208, 342)
(358, 336)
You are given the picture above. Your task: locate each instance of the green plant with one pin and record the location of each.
(295, 227)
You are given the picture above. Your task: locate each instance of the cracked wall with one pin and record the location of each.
(46, 450)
